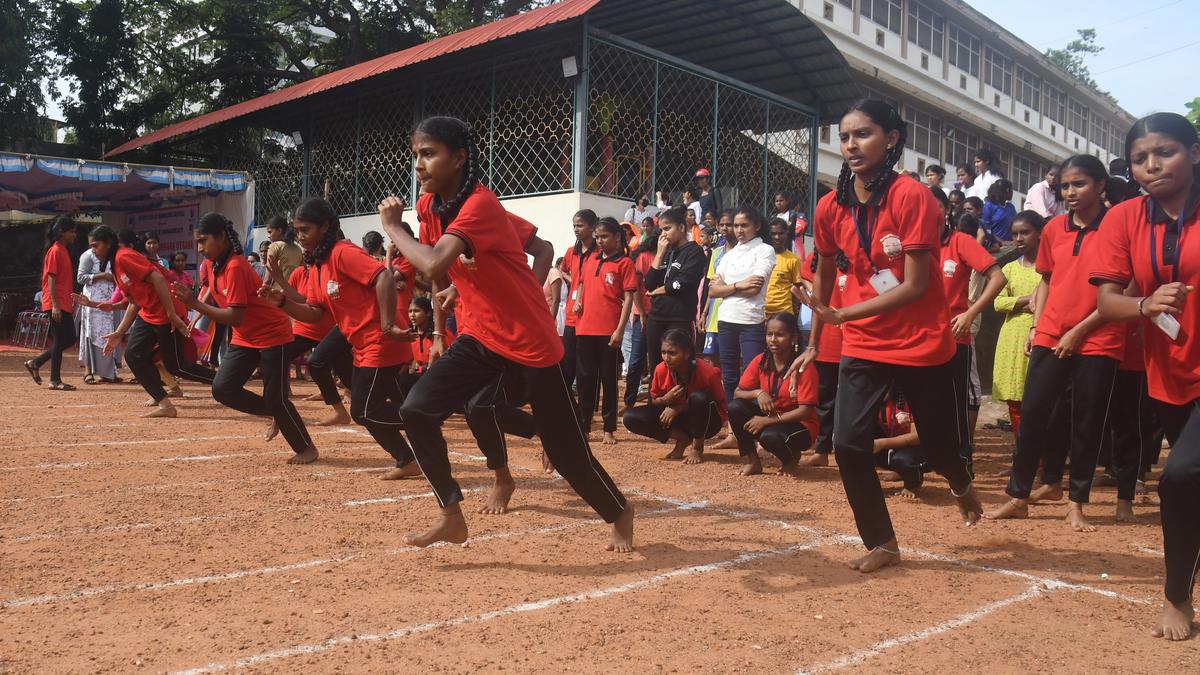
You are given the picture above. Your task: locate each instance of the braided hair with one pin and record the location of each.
(456, 135)
(131, 240)
(793, 328)
(279, 223)
(840, 260)
(213, 223)
(58, 226)
(889, 120)
(320, 212)
(105, 234)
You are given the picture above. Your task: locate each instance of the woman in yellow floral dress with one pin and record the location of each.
(1015, 302)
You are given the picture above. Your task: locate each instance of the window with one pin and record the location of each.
(1024, 172)
(1056, 104)
(1077, 117)
(960, 147)
(825, 135)
(879, 37)
(925, 28)
(964, 50)
(1116, 143)
(1029, 89)
(997, 70)
(848, 4)
(828, 12)
(1099, 135)
(886, 13)
(924, 131)
(880, 96)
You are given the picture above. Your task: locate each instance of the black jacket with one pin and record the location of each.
(682, 273)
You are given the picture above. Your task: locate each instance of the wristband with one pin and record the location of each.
(1141, 303)
(438, 333)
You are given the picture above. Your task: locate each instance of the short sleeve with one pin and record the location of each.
(425, 221)
(1112, 260)
(137, 267)
(764, 261)
(658, 385)
(55, 260)
(356, 264)
(722, 266)
(975, 256)
(237, 285)
(296, 280)
(824, 224)
(797, 271)
(806, 270)
(478, 222)
(807, 387)
(525, 229)
(1045, 256)
(916, 213)
(628, 277)
(749, 380)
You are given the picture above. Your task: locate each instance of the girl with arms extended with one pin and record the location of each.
(468, 239)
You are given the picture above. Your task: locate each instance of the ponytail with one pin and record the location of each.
(320, 212)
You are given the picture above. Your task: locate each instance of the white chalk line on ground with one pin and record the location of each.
(260, 571)
(967, 618)
(219, 517)
(522, 608)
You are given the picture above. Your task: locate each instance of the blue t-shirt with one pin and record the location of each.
(997, 220)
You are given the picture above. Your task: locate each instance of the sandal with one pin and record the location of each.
(62, 386)
(90, 378)
(33, 372)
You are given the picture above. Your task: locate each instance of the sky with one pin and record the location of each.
(1135, 65)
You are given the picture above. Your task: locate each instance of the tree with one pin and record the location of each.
(1071, 58)
(1193, 112)
(165, 60)
(22, 66)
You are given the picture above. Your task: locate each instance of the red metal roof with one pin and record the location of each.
(538, 18)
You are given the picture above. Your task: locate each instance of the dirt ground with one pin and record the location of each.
(188, 545)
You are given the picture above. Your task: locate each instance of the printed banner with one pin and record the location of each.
(173, 225)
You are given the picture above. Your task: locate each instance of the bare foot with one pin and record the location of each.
(879, 557)
(815, 459)
(622, 532)
(547, 466)
(175, 392)
(969, 506)
(792, 469)
(150, 403)
(727, 443)
(677, 452)
(164, 409)
(1175, 622)
(272, 430)
(1003, 473)
(1125, 511)
(410, 470)
(1105, 479)
(1046, 493)
(338, 417)
(907, 495)
(306, 457)
(695, 454)
(890, 476)
(315, 397)
(450, 527)
(1013, 508)
(1076, 519)
(609, 438)
(751, 466)
(502, 491)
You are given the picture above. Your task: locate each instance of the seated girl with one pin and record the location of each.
(687, 400)
(898, 447)
(771, 409)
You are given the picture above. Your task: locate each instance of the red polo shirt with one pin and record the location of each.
(705, 378)
(57, 264)
(503, 305)
(344, 285)
(263, 324)
(961, 254)
(1064, 254)
(829, 347)
(756, 377)
(312, 331)
(1124, 255)
(605, 282)
(574, 261)
(423, 344)
(132, 271)
(906, 218)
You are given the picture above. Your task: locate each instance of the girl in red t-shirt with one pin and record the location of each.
(153, 319)
(1070, 345)
(1155, 242)
(261, 336)
(504, 329)
(827, 362)
(771, 409)
(895, 321)
(58, 283)
(687, 400)
(608, 284)
(360, 294)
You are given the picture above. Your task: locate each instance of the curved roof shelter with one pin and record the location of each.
(768, 45)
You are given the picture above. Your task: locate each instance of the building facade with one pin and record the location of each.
(963, 82)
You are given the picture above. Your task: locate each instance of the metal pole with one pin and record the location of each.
(811, 207)
(491, 150)
(579, 151)
(357, 153)
(414, 190)
(654, 136)
(766, 185)
(307, 153)
(712, 181)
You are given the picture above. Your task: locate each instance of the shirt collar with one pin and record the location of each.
(1193, 201)
(1094, 225)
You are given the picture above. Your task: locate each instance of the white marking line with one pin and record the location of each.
(522, 608)
(148, 441)
(56, 406)
(260, 571)
(180, 458)
(1146, 549)
(959, 621)
(218, 517)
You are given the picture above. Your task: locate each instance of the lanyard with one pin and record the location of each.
(864, 225)
(1167, 231)
(775, 379)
